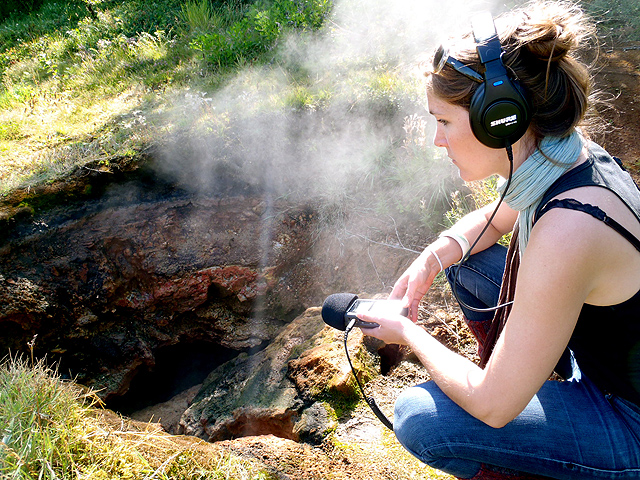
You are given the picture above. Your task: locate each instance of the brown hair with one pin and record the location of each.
(541, 42)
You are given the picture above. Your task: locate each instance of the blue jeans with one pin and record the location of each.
(569, 430)
(478, 281)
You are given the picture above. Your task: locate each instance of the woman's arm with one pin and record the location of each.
(471, 225)
(562, 264)
(416, 280)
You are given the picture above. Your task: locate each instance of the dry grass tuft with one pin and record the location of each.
(53, 429)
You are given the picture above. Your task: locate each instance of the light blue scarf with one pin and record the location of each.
(537, 173)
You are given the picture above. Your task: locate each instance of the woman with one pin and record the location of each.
(572, 275)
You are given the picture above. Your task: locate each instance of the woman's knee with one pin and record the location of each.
(416, 417)
(430, 426)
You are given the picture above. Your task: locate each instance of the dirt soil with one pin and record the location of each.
(618, 80)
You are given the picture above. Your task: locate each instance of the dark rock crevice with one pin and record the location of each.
(175, 369)
(124, 266)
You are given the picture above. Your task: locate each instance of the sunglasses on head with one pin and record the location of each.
(442, 58)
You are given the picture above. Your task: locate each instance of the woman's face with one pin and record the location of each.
(453, 132)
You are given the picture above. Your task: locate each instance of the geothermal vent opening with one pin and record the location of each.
(176, 369)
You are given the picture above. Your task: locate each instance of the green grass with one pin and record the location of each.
(53, 429)
(83, 87)
(618, 20)
(70, 76)
(74, 72)
(199, 17)
(91, 81)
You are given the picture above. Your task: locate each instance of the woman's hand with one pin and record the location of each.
(417, 279)
(392, 329)
(414, 282)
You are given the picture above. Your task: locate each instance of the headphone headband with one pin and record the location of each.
(487, 41)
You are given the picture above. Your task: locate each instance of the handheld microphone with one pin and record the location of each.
(339, 309)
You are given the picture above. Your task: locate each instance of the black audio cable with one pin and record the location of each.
(466, 256)
(370, 401)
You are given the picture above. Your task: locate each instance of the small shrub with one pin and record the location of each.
(478, 194)
(198, 16)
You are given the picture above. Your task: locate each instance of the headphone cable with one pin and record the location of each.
(370, 401)
(466, 256)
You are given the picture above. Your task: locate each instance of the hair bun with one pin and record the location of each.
(550, 33)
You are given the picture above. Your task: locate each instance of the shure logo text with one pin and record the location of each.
(506, 120)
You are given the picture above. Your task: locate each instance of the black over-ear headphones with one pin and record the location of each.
(500, 109)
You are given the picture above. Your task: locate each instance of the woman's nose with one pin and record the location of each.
(439, 140)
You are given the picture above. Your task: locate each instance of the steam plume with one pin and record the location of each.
(245, 137)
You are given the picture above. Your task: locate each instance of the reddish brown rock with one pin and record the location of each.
(109, 271)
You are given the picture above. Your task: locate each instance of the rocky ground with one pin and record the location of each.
(360, 447)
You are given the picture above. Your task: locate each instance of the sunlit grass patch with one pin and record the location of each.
(198, 16)
(39, 420)
(56, 133)
(16, 96)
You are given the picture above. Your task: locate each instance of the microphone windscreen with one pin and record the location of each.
(335, 307)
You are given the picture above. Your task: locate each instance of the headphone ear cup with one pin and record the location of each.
(500, 115)
(476, 108)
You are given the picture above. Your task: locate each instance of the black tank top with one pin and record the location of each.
(606, 340)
